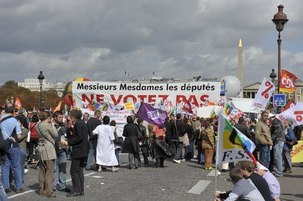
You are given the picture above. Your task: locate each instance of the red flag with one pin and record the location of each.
(58, 107)
(287, 82)
(18, 104)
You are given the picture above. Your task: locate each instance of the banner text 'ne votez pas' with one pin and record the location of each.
(118, 93)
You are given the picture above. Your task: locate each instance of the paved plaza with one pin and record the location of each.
(187, 181)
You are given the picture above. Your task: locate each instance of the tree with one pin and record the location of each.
(29, 99)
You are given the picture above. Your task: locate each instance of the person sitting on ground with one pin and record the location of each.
(244, 189)
(271, 180)
(248, 168)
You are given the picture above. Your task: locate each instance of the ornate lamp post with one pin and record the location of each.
(273, 76)
(280, 19)
(41, 78)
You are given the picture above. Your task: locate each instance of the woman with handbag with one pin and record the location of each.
(290, 141)
(118, 141)
(208, 144)
(47, 154)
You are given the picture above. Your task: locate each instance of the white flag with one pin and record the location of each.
(265, 91)
(295, 114)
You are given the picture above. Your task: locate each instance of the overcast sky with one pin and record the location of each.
(101, 39)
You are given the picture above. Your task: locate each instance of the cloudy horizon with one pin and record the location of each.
(103, 39)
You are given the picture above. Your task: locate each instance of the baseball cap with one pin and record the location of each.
(261, 167)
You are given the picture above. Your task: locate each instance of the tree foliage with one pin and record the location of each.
(30, 99)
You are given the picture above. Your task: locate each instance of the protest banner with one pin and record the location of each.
(119, 93)
(297, 152)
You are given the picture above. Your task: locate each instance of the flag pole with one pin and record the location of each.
(217, 156)
(139, 107)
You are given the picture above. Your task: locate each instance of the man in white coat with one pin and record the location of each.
(105, 146)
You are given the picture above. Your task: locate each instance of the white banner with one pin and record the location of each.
(118, 93)
(118, 116)
(267, 88)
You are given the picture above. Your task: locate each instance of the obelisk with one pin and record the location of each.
(240, 65)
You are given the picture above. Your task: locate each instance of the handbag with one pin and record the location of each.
(117, 140)
(164, 148)
(185, 140)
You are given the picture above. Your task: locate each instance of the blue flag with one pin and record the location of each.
(152, 115)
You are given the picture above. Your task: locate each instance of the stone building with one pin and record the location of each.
(34, 85)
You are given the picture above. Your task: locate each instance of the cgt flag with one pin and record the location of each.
(232, 144)
(287, 83)
(152, 115)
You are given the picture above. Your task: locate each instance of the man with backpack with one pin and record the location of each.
(10, 127)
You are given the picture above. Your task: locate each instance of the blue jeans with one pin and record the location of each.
(60, 171)
(144, 150)
(3, 196)
(278, 149)
(176, 147)
(90, 162)
(23, 155)
(264, 157)
(117, 150)
(189, 150)
(12, 160)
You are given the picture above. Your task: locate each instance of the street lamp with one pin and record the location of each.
(41, 78)
(280, 19)
(273, 76)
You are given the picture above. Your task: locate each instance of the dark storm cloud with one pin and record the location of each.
(101, 39)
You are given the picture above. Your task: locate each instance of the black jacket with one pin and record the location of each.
(79, 140)
(277, 131)
(131, 142)
(92, 123)
(180, 128)
(171, 131)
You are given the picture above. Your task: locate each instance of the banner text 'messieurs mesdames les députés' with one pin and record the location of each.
(118, 93)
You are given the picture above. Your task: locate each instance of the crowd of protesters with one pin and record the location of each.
(93, 143)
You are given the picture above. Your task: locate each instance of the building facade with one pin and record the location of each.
(34, 85)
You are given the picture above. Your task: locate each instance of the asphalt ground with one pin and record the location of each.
(187, 181)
